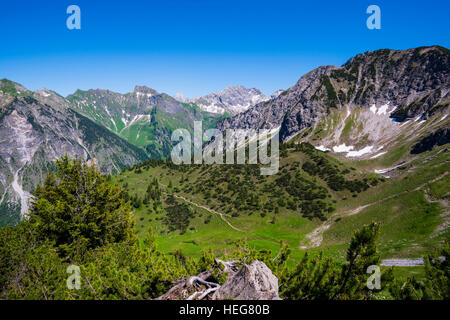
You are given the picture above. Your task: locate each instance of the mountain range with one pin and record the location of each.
(364, 142)
(368, 105)
(114, 130)
(378, 105)
(143, 117)
(232, 100)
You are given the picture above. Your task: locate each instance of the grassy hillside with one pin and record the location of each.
(412, 207)
(145, 120)
(212, 206)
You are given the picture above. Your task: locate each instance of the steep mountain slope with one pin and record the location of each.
(232, 100)
(365, 141)
(362, 142)
(144, 117)
(315, 202)
(35, 129)
(362, 107)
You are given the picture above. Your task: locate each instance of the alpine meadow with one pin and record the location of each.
(343, 195)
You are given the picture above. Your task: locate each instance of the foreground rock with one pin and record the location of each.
(190, 288)
(252, 282)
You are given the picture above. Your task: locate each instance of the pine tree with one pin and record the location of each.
(320, 278)
(78, 209)
(362, 253)
(435, 286)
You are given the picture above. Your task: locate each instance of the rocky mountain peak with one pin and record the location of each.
(232, 100)
(11, 88)
(41, 126)
(180, 97)
(50, 97)
(144, 90)
(276, 93)
(367, 100)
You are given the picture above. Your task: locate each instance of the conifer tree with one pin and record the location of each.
(435, 286)
(78, 209)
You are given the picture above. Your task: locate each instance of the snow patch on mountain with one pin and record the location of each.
(378, 155)
(213, 108)
(405, 123)
(342, 148)
(359, 153)
(233, 100)
(322, 148)
(383, 110)
(349, 150)
(110, 116)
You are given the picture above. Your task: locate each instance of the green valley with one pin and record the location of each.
(229, 203)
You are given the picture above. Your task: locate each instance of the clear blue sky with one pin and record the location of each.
(197, 47)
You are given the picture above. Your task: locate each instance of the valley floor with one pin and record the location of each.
(412, 207)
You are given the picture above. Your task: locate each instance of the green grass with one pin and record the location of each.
(290, 226)
(8, 87)
(407, 223)
(440, 188)
(408, 219)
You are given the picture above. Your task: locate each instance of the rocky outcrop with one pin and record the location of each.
(194, 287)
(415, 81)
(251, 282)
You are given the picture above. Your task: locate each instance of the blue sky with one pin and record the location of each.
(196, 47)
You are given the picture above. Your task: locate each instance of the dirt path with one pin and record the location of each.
(210, 210)
(221, 215)
(445, 215)
(316, 236)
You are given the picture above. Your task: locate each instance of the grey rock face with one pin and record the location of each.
(233, 100)
(270, 114)
(416, 81)
(251, 282)
(145, 90)
(439, 137)
(37, 128)
(276, 94)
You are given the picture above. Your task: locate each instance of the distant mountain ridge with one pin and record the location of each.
(362, 105)
(376, 102)
(39, 127)
(232, 100)
(144, 117)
